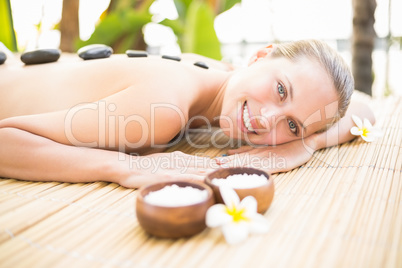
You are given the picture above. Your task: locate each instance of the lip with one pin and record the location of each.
(253, 121)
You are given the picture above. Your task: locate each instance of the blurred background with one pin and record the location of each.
(367, 33)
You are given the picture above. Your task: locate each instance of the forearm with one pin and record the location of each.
(340, 132)
(24, 155)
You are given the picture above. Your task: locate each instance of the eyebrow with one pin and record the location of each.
(301, 126)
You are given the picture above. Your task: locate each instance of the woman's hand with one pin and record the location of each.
(273, 159)
(166, 167)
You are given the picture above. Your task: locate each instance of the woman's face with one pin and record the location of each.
(276, 100)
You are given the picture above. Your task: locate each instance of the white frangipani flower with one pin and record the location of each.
(237, 219)
(365, 129)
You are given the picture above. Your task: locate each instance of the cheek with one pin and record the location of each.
(274, 137)
(228, 117)
(230, 107)
(251, 85)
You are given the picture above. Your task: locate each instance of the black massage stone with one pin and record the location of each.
(136, 53)
(201, 64)
(96, 51)
(3, 57)
(39, 56)
(171, 57)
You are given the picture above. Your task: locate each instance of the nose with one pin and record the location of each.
(270, 116)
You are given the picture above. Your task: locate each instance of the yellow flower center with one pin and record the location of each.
(237, 214)
(365, 131)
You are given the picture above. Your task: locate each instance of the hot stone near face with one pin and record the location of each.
(136, 53)
(176, 58)
(201, 64)
(3, 57)
(96, 51)
(39, 56)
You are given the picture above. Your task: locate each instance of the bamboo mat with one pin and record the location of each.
(341, 209)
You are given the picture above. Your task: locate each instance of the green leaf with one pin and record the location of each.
(176, 25)
(7, 34)
(136, 19)
(228, 4)
(200, 36)
(182, 7)
(118, 25)
(107, 31)
(126, 41)
(142, 5)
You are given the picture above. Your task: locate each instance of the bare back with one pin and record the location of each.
(154, 93)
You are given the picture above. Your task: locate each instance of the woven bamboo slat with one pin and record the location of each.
(343, 208)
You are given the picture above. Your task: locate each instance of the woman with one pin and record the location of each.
(71, 121)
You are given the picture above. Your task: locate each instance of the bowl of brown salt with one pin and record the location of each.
(173, 209)
(245, 182)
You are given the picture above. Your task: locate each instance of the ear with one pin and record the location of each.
(262, 53)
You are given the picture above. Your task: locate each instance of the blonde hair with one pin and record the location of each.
(327, 57)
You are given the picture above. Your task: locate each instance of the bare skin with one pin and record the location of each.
(68, 121)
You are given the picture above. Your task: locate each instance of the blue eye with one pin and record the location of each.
(292, 126)
(281, 91)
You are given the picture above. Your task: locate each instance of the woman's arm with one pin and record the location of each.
(340, 132)
(24, 155)
(27, 156)
(293, 154)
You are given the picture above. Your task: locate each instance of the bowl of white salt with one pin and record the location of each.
(245, 182)
(173, 209)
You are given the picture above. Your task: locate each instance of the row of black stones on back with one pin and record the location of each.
(3, 57)
(89, 52)
(140, 54)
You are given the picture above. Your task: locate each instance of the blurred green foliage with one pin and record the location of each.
(122, 25)
(7, 34)
(118, 27)
(198, 34)
(195, 25)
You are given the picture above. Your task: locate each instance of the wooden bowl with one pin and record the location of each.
(173, 222)
(263, 194)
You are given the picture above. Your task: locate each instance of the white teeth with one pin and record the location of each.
(246, 119)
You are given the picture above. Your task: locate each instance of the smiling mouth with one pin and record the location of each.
(246, 118)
